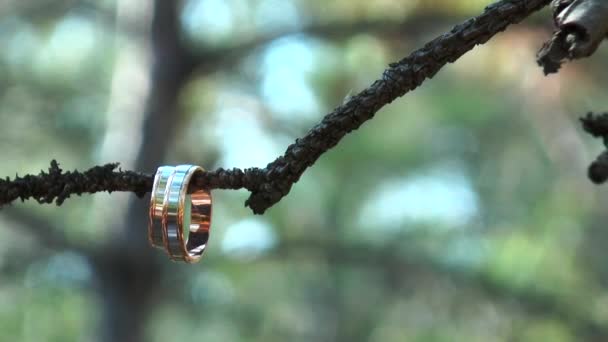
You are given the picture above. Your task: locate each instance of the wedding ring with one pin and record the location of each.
(186, 218)
(159, 189)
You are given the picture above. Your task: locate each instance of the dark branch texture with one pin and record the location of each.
(270, 184)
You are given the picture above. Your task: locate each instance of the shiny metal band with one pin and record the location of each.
(159, 189)
(186, 218)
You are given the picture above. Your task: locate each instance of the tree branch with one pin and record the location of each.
(56, 185)
(270, 184)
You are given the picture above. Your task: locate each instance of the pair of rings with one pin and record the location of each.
(179, 223)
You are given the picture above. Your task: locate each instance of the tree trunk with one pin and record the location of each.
(129, 273)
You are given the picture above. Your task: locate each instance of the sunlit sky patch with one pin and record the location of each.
(242, 140)
(442, 196)
(248, 238)
(214, 21)
(285, 89)
(286, 63)
(207, 19)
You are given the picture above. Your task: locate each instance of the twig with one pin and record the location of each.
(56, 185)
(270, 184)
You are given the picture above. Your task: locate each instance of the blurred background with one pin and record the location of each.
(461, 212)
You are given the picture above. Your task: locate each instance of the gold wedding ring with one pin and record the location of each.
(179, 222)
